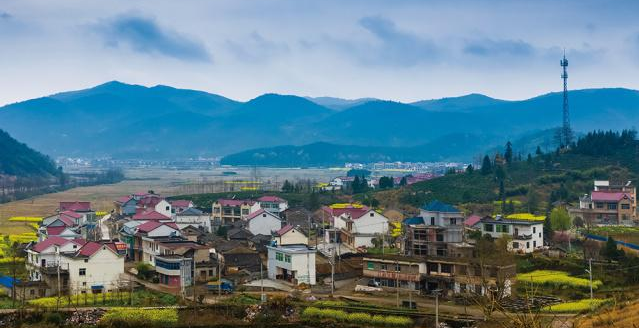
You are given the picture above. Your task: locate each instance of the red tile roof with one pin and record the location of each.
(258, 213)
(55, 231)
(284, 230)
(72, 214)
(69, 222)
(123, 199)
(55, 240)
(355, 212)
(472, 220)
(150, 215)
(181, 203)
(608, 196)
(271, 199)
(75, 206)
(152, 225)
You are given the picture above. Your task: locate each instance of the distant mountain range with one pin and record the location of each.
(132, 121)
(17, 159)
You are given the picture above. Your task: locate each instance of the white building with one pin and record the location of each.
(273, 204)
(527, 235)
(290, 235)
(293, 263)
(263, 222)
(95, 268)
(357, 224)
(193, 217)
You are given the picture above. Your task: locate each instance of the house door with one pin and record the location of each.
(43, 262)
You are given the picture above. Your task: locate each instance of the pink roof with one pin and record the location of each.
(235, 202)
(75, 206)
(69, 222)
(472, 220)
(72, 214)
(608, 196)
(284, 230)
(258, 213)
(271, 199)
(150, 215)
(55, 240)
(89, 248)
(152, 225)
(354, 212)
(123, 199)
(55, 231)
(181, 203)
(150, 200)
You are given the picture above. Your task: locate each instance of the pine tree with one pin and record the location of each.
(486, 166)
(403, 182)
(470, 169)
(508, 154)
(538, 151)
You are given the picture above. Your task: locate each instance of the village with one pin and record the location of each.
(263, 246)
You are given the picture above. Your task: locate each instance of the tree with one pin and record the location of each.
(486, 166)
(221, 231)
(403, 182)
(559, 219)
(287, 186)
(529, 159)
(538, 152)
(470, 169)
(313, 202)
(510, 207)
(610, 250)
(532, 200)
(356, 185)
(386, 182)
(508, 154)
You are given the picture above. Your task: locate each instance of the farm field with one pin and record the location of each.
(166, 182)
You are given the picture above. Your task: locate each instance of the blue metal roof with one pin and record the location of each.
(414, 220)
(7, 281)
(437, 206)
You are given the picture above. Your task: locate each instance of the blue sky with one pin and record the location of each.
(400, 50)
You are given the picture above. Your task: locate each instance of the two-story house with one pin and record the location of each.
(273, 204)
(438, 225)
(527, 234)
(609, 203)
(263, 222)
(356, 224)
(229, 211)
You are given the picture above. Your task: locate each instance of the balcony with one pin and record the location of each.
(51, 267)
(522, 237)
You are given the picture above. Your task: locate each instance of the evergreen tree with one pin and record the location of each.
(538, 151)
(403, 182)
(486, 166)
(508, 154)
(313, 202)
(470, 169)
(356, 185)
(610, 250)
(529, 159)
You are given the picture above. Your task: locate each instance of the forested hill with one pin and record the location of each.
(18, 159)
(531, 183)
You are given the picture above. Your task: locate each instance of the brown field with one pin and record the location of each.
(165, 182)
(621, 316)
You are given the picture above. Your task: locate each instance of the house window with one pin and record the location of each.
(527, 244)
(503, 228)
(534, 243)
(84, 283)
(625, 206)
(372, 214)
(612, 206)
(279, 256)
(370, 266)
(534, 229)
(453, 221)
(439, 237)
(287, 258)
(384, 266)
(398, 267)
(168, 208)
(86, 260)
(515, 245)
(432, 220)
(488, 227)
(599, 205)
(83, 272)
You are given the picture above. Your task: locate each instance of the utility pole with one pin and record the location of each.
(436, 291)
(590, 274)
(219, 277)
(333, 273)
(57, 253)
(397, 280)
(262, 296)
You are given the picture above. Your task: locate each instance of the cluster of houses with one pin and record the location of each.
(346, 182)
(77, 252)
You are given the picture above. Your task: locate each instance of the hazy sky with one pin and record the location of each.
(399, 50)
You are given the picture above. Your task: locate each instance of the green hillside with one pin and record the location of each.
(532, 183)
(18, 159)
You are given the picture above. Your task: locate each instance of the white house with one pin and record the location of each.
(527, 235)
(293, 263)
(151, 234)
(191, 216)
(273, 204)
(263, 222)
(89, 266)
(95, 268)
(357, 224)
(290, 235)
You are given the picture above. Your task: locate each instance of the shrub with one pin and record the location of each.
(359, 318)
(397, 321)
(311, 314)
